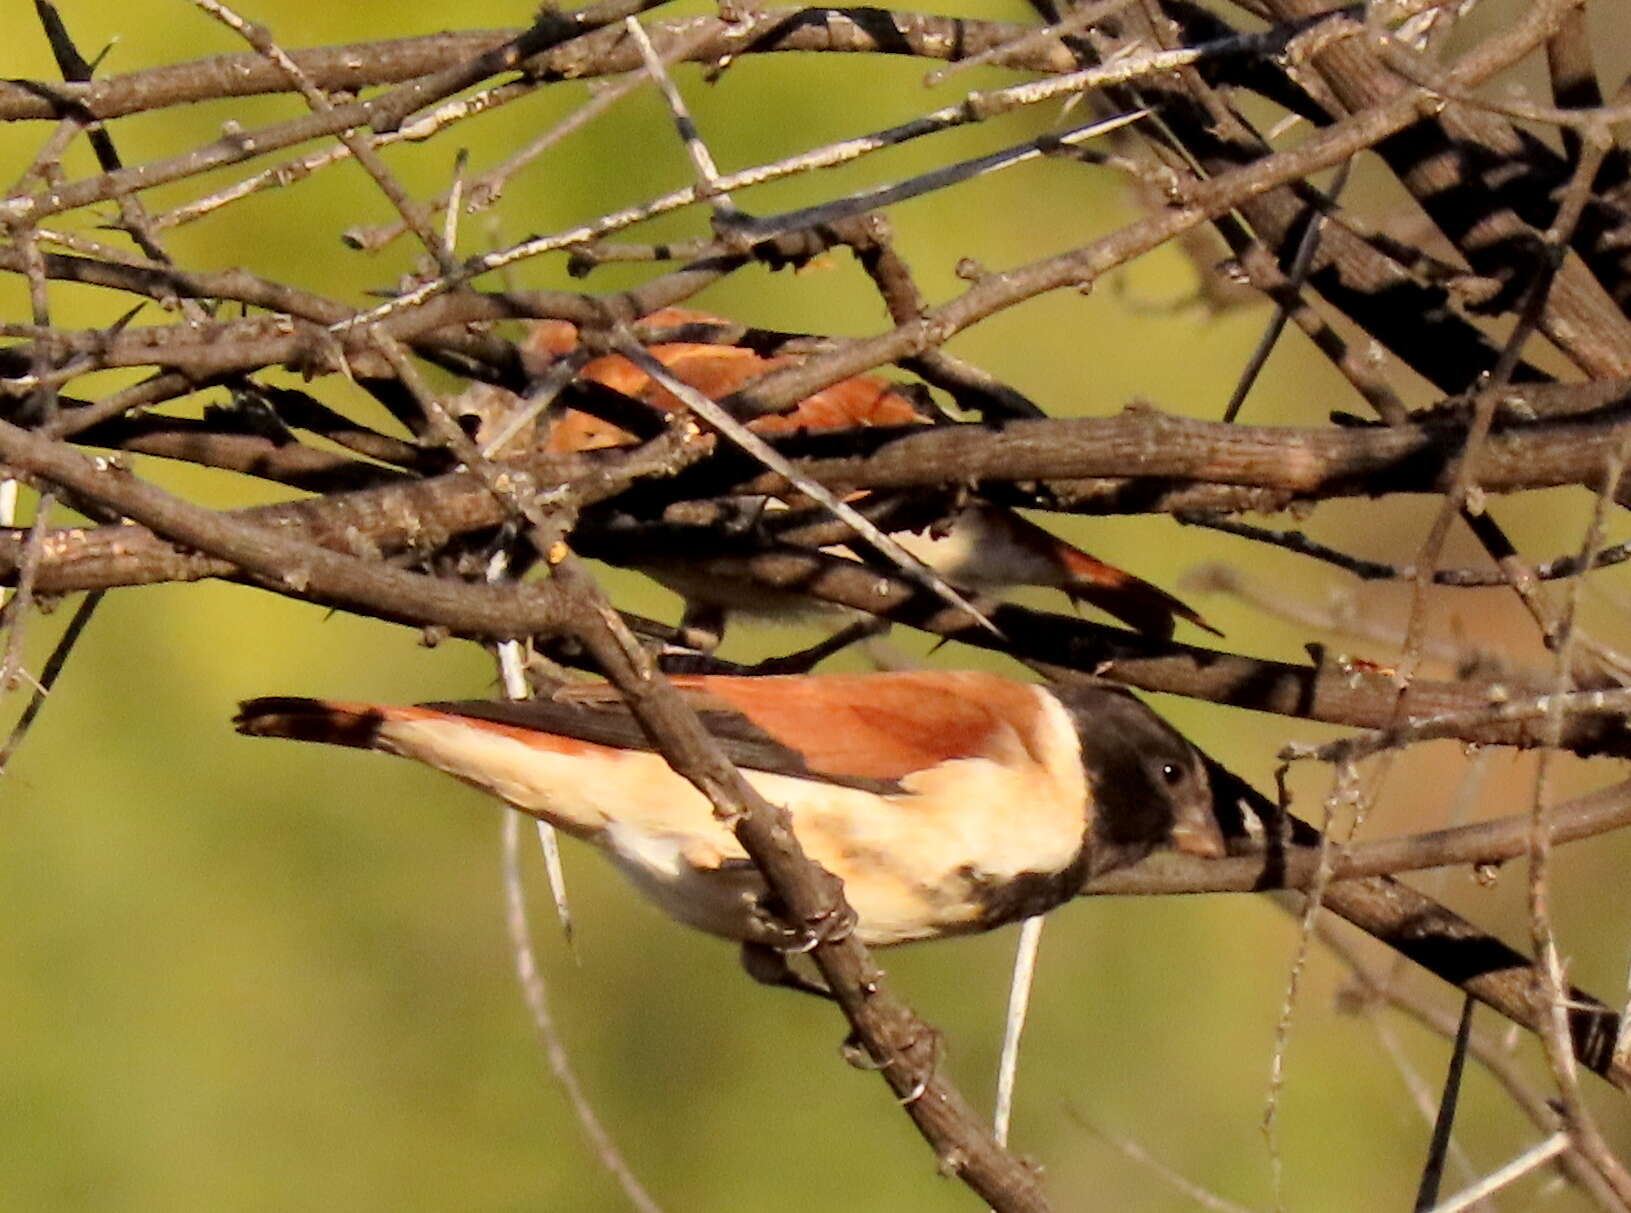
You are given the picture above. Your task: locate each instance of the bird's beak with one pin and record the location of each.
(1197, 833)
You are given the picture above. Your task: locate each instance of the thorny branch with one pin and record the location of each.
(1512, 236)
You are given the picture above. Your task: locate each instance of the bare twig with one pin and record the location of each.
(901, 1047)
(1019, 1001)
(1536, 1156)
(530, 977)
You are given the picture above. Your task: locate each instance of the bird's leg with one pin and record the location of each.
(702, 626)
(805, 660)
(768, 966)
(767, 962)
(701, 629)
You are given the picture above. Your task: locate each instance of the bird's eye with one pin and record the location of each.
(1172, 774)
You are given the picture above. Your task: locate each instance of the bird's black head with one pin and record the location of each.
(1148, 784)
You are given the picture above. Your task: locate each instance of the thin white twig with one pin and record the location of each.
(290, 171)
(450, 220)
(1078, 20)
(513, 672)
(1431, 23)
(1138, 1154)
(701, 158)
(975, 107)
(1536, 1156)
(1344, 788)
(485, 189)
(8, 517)
(1019, 1003)
(540, 395)
(1583, 1133)
(362, 144)
(537, 998)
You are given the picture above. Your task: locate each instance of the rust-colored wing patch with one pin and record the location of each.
(716, 371)
(862, 730)
(881, 726)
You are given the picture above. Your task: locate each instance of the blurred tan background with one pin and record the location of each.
(247, 975)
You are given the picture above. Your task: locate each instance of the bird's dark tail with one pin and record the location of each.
(348, 724)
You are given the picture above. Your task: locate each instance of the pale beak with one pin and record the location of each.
(1199, 835)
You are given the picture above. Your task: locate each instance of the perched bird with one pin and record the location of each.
(948, 802)
(981, 547)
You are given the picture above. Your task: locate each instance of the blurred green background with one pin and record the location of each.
(248, 975)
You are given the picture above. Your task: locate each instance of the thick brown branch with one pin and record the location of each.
(398, 60)
(1421, 929)
(384, 111)
(207, 351)
(1305, 464)
(1295, 867)
(1074, 461)
(417, 516)
(279, 459)
(1461, 169)
(1333, 694)
(903, 1048)
(279, 561)
(397, 516)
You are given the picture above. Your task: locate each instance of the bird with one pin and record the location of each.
(980, 547)
(947, 801)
